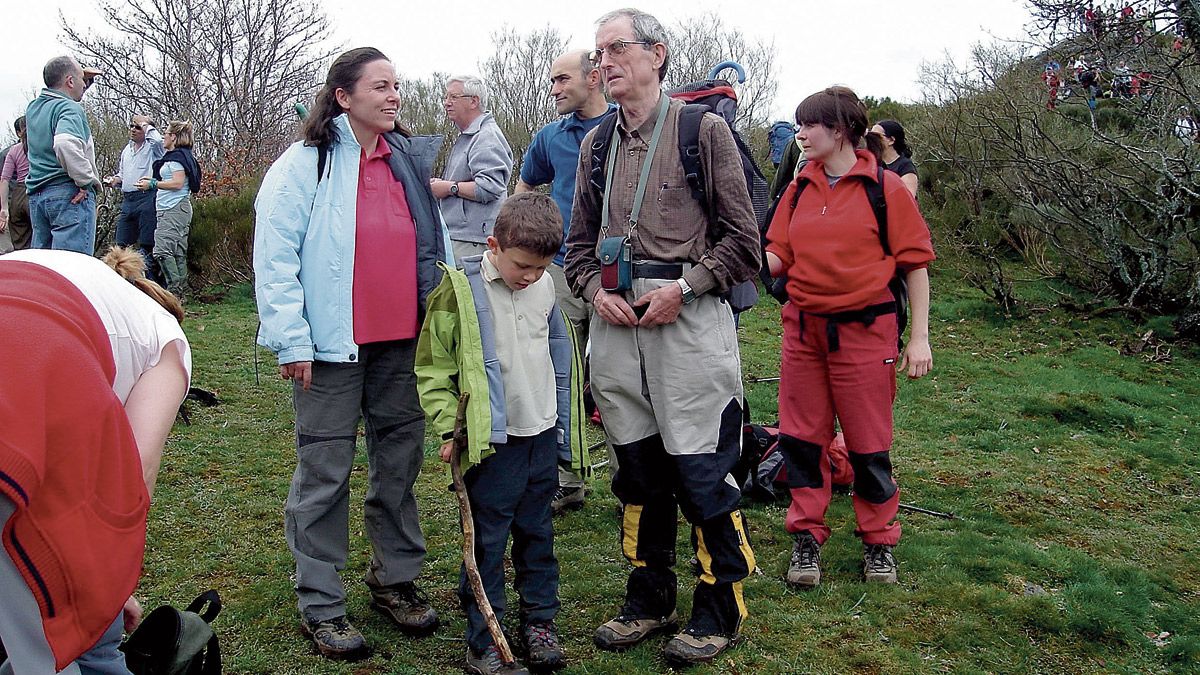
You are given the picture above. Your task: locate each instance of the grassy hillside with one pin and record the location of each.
(1071, 469)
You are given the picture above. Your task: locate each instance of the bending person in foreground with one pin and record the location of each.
(103, 366)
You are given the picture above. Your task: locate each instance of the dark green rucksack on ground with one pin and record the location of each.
(173, 642)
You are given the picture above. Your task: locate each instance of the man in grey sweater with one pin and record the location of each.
(475, 182)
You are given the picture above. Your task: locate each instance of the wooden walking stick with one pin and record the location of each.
(468, 528)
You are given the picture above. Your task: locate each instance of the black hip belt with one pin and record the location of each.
(866, 316)
(646, 269)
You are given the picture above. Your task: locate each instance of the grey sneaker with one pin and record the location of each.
(488, 662)
(805, 568)
(407, 607)
(624, 631)
(879, 565)
(690, 648)
(335, 638)
(567, 499)
(542, 646)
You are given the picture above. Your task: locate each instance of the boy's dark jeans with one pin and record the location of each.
(511, 490)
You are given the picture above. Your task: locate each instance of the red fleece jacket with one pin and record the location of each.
(830, 245)
(68, 459)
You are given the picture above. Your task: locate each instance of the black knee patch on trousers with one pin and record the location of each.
(308, 439)
(803, 461)
(715, 610)
(873, 476)
(650, 592)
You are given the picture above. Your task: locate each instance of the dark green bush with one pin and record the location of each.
(219, 245)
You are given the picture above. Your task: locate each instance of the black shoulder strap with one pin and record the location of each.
(879, 206)
(322, 157)
(689, 149)
(600, 143)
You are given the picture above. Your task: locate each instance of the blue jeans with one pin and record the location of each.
(510, 493)
(59, 224)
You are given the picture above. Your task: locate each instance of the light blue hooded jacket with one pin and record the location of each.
(304, 233)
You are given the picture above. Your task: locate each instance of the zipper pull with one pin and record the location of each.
(823, 209)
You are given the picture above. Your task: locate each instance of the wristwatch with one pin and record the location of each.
(688, 294)
(454, 189)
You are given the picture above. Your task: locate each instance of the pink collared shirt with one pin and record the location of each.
(16, 164)
(385, 254)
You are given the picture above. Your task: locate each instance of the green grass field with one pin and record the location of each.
(1071, 468)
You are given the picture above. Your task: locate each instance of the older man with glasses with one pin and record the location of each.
(475, 181)
(665, 368)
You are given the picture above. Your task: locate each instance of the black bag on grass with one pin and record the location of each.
(173, 642)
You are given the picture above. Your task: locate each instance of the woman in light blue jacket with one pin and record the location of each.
(346, 244)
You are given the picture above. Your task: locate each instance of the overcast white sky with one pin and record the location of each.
(873, 46)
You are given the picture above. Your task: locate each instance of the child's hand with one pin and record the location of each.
(446, 449)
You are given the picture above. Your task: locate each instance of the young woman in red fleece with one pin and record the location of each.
(840, 345)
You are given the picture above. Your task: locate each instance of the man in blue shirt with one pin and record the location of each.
(553, 157)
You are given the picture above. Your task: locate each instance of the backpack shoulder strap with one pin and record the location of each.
(600, 143)
(689, 150)
(322, 158)
(879, 206)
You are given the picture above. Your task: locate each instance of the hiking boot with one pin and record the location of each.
(805, 568)
(879, 565)
(407, 607)
(335, 638)
(567, 499)
(541, 645)
(690, 647)
(625, 631)
(488, 663)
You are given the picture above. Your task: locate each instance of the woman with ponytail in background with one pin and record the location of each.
(346, 244)
(896, 155)
(176, 177)
(96, 367)
(840, 337)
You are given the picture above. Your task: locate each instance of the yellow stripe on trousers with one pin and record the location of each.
(631, 520)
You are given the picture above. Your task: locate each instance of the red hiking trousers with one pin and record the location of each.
(853, 383)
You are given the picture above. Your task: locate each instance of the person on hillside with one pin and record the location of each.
(524, 414)
(665, 368)
(136, 222)
(553, 157)
(896, 155)
(176, 176)
(14, 203)
(346, 245)
(102, 365)
(839, 356)
(475, 181)
(1052, 80)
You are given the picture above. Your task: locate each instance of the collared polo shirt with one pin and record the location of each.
(521, 320)
(553, 157)
(137, 162)
(385, 254)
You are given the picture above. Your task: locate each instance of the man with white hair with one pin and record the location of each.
(475, 181)
(665, 368)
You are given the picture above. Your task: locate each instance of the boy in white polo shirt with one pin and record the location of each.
(493, 329)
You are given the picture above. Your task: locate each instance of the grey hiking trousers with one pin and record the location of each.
(380, 387)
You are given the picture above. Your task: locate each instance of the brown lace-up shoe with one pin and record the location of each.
(407, 607)
(624, 631)
(335, 638)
